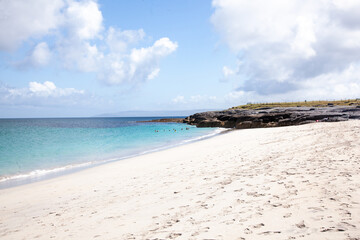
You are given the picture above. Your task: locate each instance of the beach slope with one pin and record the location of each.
(298, 182)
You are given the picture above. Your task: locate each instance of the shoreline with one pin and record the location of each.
(267, 183)
(45, 174)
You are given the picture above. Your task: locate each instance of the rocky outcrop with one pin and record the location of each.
(273, 117)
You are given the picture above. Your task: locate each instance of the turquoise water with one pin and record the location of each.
(31, 147)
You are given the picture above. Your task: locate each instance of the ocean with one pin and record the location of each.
(35, 149)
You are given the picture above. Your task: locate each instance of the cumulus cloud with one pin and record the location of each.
(80, 55)
(79, 41)
(39, 57)
(43, 90)
(22, 19)
(291, 46)
(83, 24)
(38, 94)
(119, 41)
(42, 94)
(325, 86)
(140, 64)
(46, 87)
(83, 19)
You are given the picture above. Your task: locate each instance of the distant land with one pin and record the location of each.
(169, 113)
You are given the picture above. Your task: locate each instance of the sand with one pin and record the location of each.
(299, 182)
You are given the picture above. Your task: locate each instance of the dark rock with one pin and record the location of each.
(272, 117)
(350, 110)
(210, 123)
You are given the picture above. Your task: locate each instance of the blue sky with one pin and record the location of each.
(82, 58)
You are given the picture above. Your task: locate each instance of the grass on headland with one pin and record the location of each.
(349, 102)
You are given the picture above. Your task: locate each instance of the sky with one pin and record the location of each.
(80, 58)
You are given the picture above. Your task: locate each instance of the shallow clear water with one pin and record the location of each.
(36, 146)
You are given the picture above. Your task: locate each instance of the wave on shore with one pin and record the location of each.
(42, 174)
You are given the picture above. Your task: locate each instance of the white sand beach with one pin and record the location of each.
(299, 182)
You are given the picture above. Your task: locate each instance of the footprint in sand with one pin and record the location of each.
(301, 224)
(174, 235)
(287, 215)
(259, 225)
(247, 231)
(269, 232)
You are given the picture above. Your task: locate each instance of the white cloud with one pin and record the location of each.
(119, 41)
(44, 94)
(83, 19)
(43, 90)
(78, 40)
(116, 62)
(39, 57)
(325, 86)
(338, 85)
(80, 55)
(290, 46)
(72, 23)
(153, 74)
(23, 19)
(140, 64)
(82, 25)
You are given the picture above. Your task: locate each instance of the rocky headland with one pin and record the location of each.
(272, 117)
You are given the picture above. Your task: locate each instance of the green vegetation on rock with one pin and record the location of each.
(350, 102)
